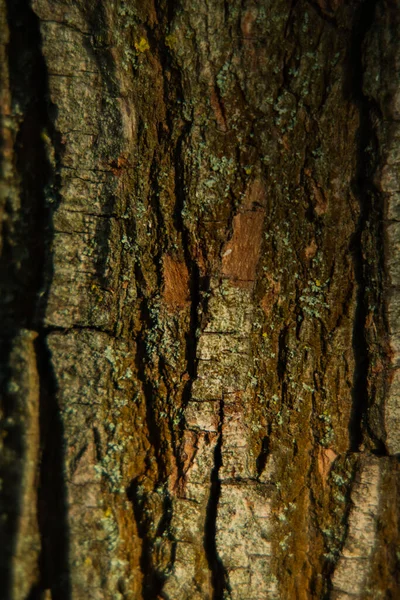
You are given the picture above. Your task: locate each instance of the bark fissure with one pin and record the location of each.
(218, 572)
(32, 237)
(153, 579)
(53, 510)
(24, 255)
(365, 192)
(262, 458)
(173, 145)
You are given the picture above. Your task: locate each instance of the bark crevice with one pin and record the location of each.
(218, 572)
(53, 509)
(364, 191)
(153, 579)
(27, 270)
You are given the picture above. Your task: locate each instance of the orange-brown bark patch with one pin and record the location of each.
(311, 249)
(176, 283)
(255, 196)
(326, 457)
(327, 6)
(218, 110)
(320, 200)
(246, 24)
(271, 296)
(240, 254)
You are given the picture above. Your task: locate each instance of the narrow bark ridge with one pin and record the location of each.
(382, 90)
(376, 410)
(353, 568)
(80, 319)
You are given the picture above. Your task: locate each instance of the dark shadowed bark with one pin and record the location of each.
(199, 305)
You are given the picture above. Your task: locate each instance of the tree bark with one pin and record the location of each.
(199, 299)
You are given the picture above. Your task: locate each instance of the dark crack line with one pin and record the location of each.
(172, 143)
(219, 575)
(153, 579)
(173, 92)
(53, 522)
(364, 190)
(264, 453)
(31, 278)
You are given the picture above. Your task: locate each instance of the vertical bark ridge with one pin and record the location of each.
(381, 48)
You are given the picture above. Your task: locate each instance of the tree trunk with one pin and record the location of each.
(199, 299)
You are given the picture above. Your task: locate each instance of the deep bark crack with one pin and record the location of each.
(218, 571)
(53, 509)
(364, 191)
(153, 579)
(29, 278)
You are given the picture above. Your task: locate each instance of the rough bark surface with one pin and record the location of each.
(199, 299)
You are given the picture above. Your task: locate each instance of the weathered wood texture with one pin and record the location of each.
(199, 299)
